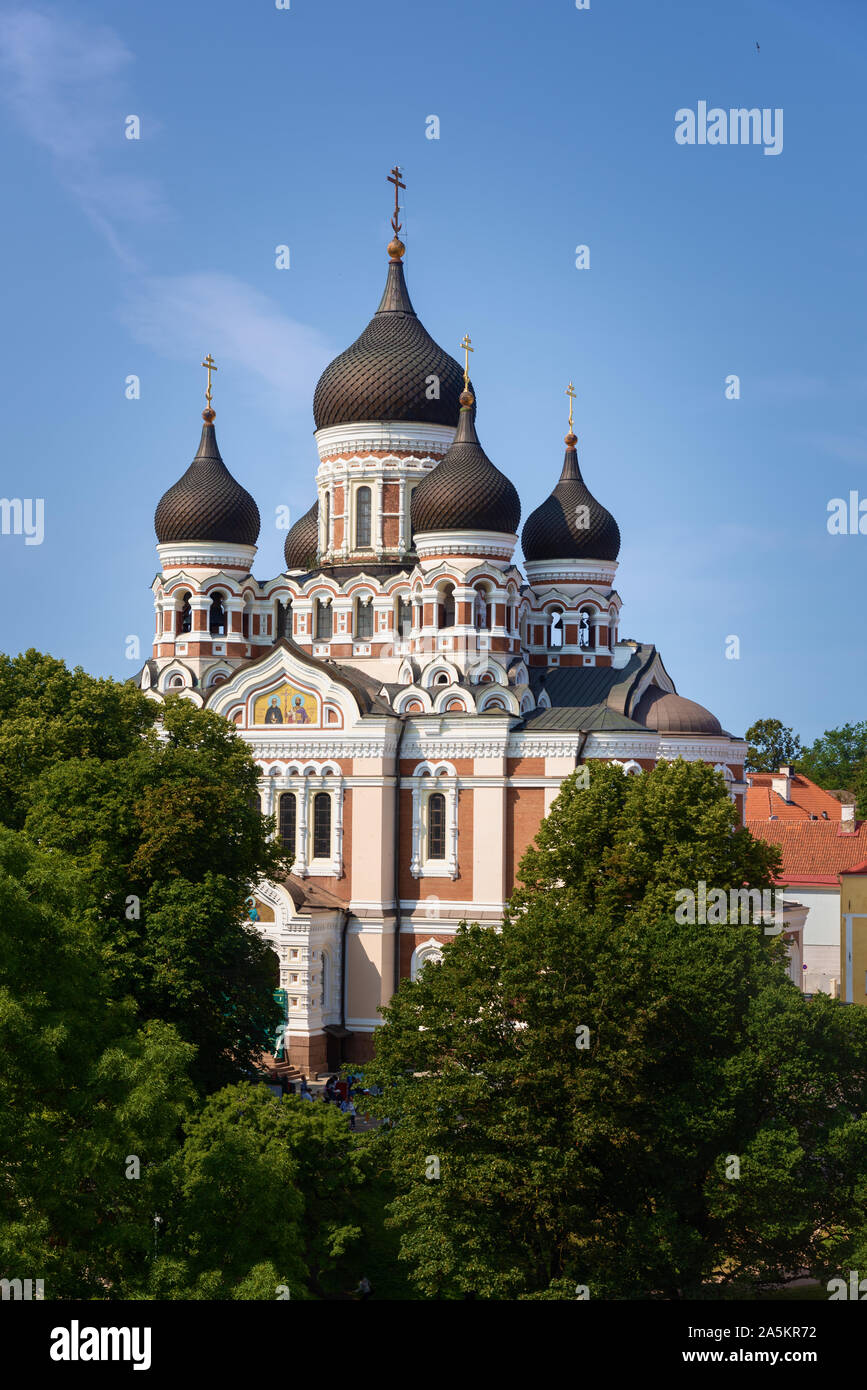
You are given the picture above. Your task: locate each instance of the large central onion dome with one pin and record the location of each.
(465, 491)
(571, 524)
(302, 540)
(394, 371)
(207, 503)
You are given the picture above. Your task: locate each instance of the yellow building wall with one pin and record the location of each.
(853, 938)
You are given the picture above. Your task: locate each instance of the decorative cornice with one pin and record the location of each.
(570, 571)
(206, 555)
(404, 435)
(308, 748)
(497, 543)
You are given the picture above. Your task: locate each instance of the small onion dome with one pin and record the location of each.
(207, 504)
(667, 713)
(302, 540)
(465, 491)
(387, 373)
(555, 531)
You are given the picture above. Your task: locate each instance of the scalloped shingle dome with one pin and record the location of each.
(385, 374)
(668, 713)
(302, 540)
(554, 531)
(465, 491)
(207, 503)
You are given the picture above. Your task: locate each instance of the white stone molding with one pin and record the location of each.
(497, 543)
(430, 950)
(556, 571)
(360, 439)
(206, 555)
(426, 779)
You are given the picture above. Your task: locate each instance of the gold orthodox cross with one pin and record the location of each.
(465, 344)
(394, 177)
(571, 393)
(211, 366)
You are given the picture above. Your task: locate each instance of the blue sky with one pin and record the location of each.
(261, 127)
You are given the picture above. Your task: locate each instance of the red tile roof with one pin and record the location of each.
(814, 852)
(856, 868)
(806, 799)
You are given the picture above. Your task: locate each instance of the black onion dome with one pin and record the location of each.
(465, 491)
(302, 540)
(554, 531)
(385, 374)
(207, 504)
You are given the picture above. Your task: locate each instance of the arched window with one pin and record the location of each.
(245, 621)
(363, 618)
(447, 606)
(362, 518)
(217, 618)
(322, 826)
(287, 821)
(403, 617)
(284, 619)
(323, 620)
(326, 521)
(480, 611)
(442, 678)
(436, 826)
(555, 638)
(186, 624)
(585, 628)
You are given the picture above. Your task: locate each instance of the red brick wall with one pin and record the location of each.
(525, 811)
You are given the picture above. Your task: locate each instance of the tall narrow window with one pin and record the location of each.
(436, 826)
(284, 619)
(217, 619)
(323, 621)
(362, 518)
(287, 821)
(326, 536)
(186, 614)
(364, 619)
(555, 638)
(447, 606)
(404, 617)
(322, 826)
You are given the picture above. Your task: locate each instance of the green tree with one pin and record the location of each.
(838, 759)
(287, 1172)
(157, 808)
(566, 1157)
(771, 745)
(85, 1089)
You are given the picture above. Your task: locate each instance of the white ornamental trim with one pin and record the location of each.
(345, 748)
(206, 555)
(364, 435)
(499, 543)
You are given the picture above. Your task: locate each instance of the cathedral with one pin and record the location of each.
(412, 698)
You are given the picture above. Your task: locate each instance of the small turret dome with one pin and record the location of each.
(207, 503)
(667, 713)
(571, 524)
(465, 491)
(302, 540)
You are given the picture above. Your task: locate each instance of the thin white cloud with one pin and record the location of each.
(64, 83)
(181, 317)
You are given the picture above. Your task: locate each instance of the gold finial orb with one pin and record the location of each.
(396, 249)
(571, 440)
(466, 398)
(209, 416)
